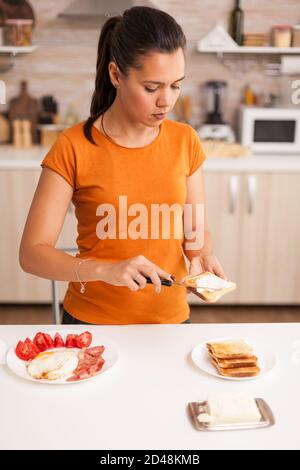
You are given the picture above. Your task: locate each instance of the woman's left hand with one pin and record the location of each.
(210, 263)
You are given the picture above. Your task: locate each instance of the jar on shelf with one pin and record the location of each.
(282, 35)
(18, 32)
(296, 35)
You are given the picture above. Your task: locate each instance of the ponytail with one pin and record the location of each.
(124, 39)
(105, 93)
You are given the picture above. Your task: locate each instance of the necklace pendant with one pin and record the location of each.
(82, 290)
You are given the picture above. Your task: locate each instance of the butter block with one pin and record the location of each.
(233, 408)
(210, 282)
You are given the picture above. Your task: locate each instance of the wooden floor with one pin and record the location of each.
(41, 314)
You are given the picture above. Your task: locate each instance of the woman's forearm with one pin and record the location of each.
(206, 249)
(45, 261)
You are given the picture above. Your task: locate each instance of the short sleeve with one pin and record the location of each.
(196, 153)
(61, 159)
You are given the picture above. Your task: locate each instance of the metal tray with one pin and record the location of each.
(267, 418)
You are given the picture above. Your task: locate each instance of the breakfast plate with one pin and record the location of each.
(201, 358)
(66, 357)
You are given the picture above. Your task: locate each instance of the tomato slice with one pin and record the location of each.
(84, 340)
(23, 351)
(58, 341)
(49, 341)
(71, 341)
(33, 349)
(40, 341)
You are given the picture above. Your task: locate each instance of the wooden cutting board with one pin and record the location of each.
(25, 106)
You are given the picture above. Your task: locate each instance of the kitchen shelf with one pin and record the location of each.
(250, 50)
(13, 51)
(16, 49)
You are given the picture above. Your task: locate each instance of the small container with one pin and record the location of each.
(248, 96)
(49, 133)
(296, 35)
(267, 418)
(282, 35)
(18, 32)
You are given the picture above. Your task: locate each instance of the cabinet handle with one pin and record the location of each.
(251, 185)
(233, 191)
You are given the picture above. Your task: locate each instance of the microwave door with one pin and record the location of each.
(275, 136)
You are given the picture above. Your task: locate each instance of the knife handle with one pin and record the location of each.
(164, 282)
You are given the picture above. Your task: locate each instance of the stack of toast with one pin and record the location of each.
(233, 358)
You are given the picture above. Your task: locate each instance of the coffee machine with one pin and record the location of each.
(214, 127)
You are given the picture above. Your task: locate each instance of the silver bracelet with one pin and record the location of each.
(82, 284)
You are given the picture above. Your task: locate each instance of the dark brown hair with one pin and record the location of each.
(140, 30)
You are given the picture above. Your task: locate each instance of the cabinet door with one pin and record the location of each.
(256, 200)
(282, 282)
(223, 207)
(16, 192)
(270, 251)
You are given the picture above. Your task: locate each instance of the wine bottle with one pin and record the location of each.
(236, 23)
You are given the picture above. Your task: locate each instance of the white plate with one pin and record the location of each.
(110, 355)
(266, 358)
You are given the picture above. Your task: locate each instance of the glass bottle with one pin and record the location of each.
(236, 23)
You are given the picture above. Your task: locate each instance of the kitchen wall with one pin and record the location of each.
(64, 63)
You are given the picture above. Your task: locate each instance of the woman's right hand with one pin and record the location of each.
(132, 273)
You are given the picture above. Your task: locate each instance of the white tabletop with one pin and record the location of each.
(141, 403)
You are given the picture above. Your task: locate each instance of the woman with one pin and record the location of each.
(126, 156)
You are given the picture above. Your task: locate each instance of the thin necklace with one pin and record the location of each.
(102, 125)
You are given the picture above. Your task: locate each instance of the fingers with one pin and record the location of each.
(151, 272)
(218, 271)
(195, 267)
(145, 268)
(140, 280)
(129, 282)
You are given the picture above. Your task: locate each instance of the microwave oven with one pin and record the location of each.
(270, 130)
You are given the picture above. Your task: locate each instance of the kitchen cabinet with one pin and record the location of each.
(16, 192)
(255, 225)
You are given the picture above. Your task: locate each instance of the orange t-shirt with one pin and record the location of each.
(154, 174)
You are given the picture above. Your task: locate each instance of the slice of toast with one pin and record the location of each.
(209, 280)
(251, 361)
(231, 349)
(237, 371)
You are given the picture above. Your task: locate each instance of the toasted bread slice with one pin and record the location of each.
(250, 361)
(237, 371)
(230, 349)
(219, 286)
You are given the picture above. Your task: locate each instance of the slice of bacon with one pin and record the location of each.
(90, 363)
(95, 351)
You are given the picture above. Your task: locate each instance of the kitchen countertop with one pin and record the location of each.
(141, 402)
(30, 159)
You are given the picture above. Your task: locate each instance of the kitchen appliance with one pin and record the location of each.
(270, 130)
(214, 127)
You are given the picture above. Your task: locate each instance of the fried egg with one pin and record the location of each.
(53, 365)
